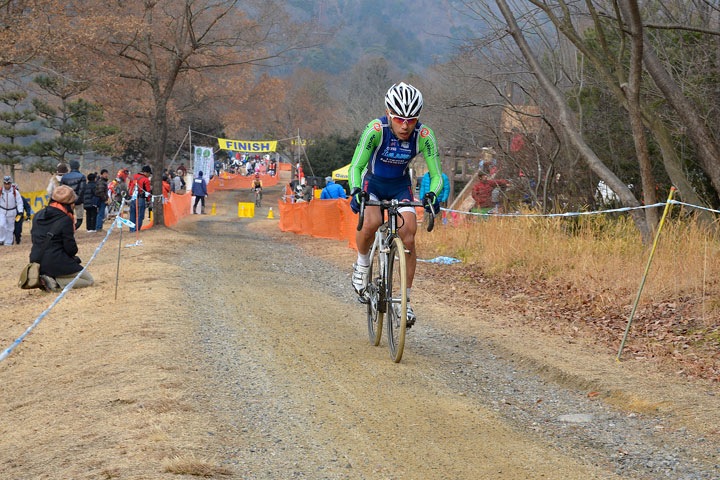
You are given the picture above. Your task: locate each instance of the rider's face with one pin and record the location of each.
(402, 128)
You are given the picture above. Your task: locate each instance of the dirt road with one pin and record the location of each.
(236, 351)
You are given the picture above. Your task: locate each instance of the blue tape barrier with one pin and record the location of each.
(441, 260)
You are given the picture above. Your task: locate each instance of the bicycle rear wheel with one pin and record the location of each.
(396, 292)
(373, 294)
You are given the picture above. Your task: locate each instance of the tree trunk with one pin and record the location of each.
(158, 160)
(632, 18)
(707, 149)
(569, 127)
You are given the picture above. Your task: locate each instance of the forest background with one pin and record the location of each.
(565, 93)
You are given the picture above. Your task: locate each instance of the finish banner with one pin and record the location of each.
(250, 146)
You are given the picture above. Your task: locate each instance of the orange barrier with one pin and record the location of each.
(284, 167)
(177, 207)
(229, 181)
(333, 219)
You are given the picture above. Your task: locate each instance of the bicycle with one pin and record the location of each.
(258, 197)
(386, 290)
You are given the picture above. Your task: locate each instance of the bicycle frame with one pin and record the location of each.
(389, 252)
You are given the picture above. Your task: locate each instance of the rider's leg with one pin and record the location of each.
(365, 237)
(407, 234)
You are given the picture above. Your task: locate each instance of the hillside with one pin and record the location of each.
(410, 38)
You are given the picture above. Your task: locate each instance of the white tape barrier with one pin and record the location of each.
(119, 222)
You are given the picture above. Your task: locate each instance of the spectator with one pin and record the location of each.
(177, 184)
(482, 192)
(140, 190)
(11, 205)
(56, 179)
(166, 188)
(101, 192)
(20, 218)
(332, 190)
(425, 187)
(53, 242)
(118, 189)
(76, 180)
(90, 202)
(199, 190)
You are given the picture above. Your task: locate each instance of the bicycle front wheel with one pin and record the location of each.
(396, 299)
(374, 294)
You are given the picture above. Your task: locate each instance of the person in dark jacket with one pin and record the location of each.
(101, 192)
(53, 242)
(91, 202)
(76, 180)
(199, 191)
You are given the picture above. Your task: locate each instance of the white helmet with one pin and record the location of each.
(404, 100)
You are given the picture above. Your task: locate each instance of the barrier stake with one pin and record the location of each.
(117, 269)
(647, 268)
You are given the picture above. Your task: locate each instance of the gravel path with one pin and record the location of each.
(303, 395)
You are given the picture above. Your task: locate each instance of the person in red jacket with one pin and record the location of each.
(140, 193)
(482, 191)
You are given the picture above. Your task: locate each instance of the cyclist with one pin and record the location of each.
(257, 186)
(379, 170)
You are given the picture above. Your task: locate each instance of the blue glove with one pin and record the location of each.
(355, 194)
(431, 199)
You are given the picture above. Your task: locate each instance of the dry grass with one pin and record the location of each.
(581, 276)
(29, 182)
(190, 465)
(596, 254)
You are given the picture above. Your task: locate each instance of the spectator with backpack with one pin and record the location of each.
(11, 205)
(53, 243)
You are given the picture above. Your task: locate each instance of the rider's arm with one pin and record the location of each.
(427, 145)
(369, 141)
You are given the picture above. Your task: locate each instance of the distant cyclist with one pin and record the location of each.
(379, 169)
(257, 187)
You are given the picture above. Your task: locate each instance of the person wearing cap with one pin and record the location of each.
(199, 191)
(140, 191)
(53, 242)
(77, 181)
(11, 205)
(61, 169)
(332, 190)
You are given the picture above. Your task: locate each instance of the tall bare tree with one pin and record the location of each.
(154, 45)
(631, 14)
(568, 123)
